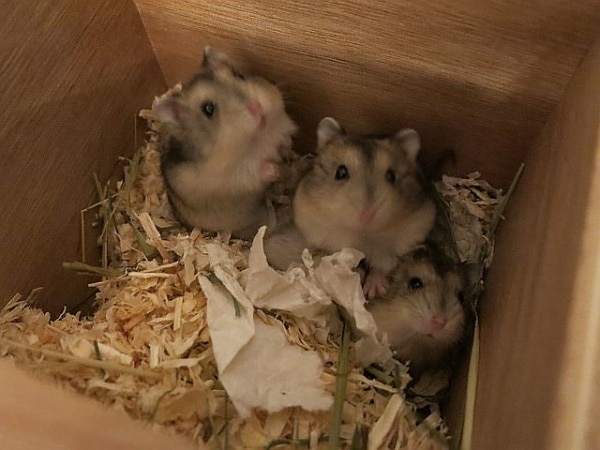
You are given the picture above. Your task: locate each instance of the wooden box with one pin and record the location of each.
(499, 81)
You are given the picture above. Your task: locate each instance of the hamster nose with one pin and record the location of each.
(437, 322)
(367, 215)
(256, 109)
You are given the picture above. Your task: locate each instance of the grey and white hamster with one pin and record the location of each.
(422, 313)
(220, 140)
(284, 245)
(365, 193)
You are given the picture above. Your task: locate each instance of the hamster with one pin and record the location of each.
(422, 314)
(284, 245)
(220, 140)
(365, 193)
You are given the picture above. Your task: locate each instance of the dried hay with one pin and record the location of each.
(147, 350)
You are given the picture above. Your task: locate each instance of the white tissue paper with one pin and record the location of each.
(292, 291)
(244, 346)
(271, 374)
(336, 276)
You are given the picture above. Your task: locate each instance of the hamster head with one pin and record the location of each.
(361, 183)
(422, 313)
(223, 114)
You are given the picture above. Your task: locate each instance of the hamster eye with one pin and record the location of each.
(342, 173)
(208, 109)
(415, 283)
(238, 75)
(390, 176)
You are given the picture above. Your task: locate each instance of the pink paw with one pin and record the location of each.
(376, 284)
(269, 172)
(285, 147)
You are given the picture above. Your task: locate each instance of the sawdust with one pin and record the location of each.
(147, 350)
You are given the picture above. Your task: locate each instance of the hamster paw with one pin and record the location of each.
(376, 284)
(285, 146)
(269, 172)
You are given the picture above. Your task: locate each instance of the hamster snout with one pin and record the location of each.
(256, 110)
(368, 214)
(437, 322)
(421, 314)
(437, 319)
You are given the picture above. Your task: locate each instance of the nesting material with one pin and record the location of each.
(473, 208)
(197, 335)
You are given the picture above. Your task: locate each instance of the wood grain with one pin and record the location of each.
(73, 75)
(29, 420)
(576, 401)
(540, 322)
(478, 76)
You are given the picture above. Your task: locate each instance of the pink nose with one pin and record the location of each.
(437, 322)
(367, 215)
(255, 109)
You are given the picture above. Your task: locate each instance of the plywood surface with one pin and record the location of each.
(28, 414)
(479, 76)
(540, 322)
(577, 403)
(73, 75)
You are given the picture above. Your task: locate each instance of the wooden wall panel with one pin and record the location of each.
(73, 75)
(540, 319)
(480, 76)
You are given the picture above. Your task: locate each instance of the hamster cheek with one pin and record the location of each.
(457, 320)
(393, 319)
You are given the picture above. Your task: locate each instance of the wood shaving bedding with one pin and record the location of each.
(147, 350)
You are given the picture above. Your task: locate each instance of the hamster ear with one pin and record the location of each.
(168, 110)
(327, 131)
(215, 60)
(409, 141)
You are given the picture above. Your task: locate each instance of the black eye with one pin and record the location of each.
(415, 283)
(208, 109)
(390, 176)
(238, 75)
(342, 173)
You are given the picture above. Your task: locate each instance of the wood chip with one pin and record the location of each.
(156, 357)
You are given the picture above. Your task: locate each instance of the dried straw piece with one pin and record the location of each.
(83, 361)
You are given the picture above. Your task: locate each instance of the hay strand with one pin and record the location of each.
(341, 380)
(83, 361)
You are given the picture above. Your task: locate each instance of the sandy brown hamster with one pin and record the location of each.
(422, 313)
(221, 139)
(365, 193)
